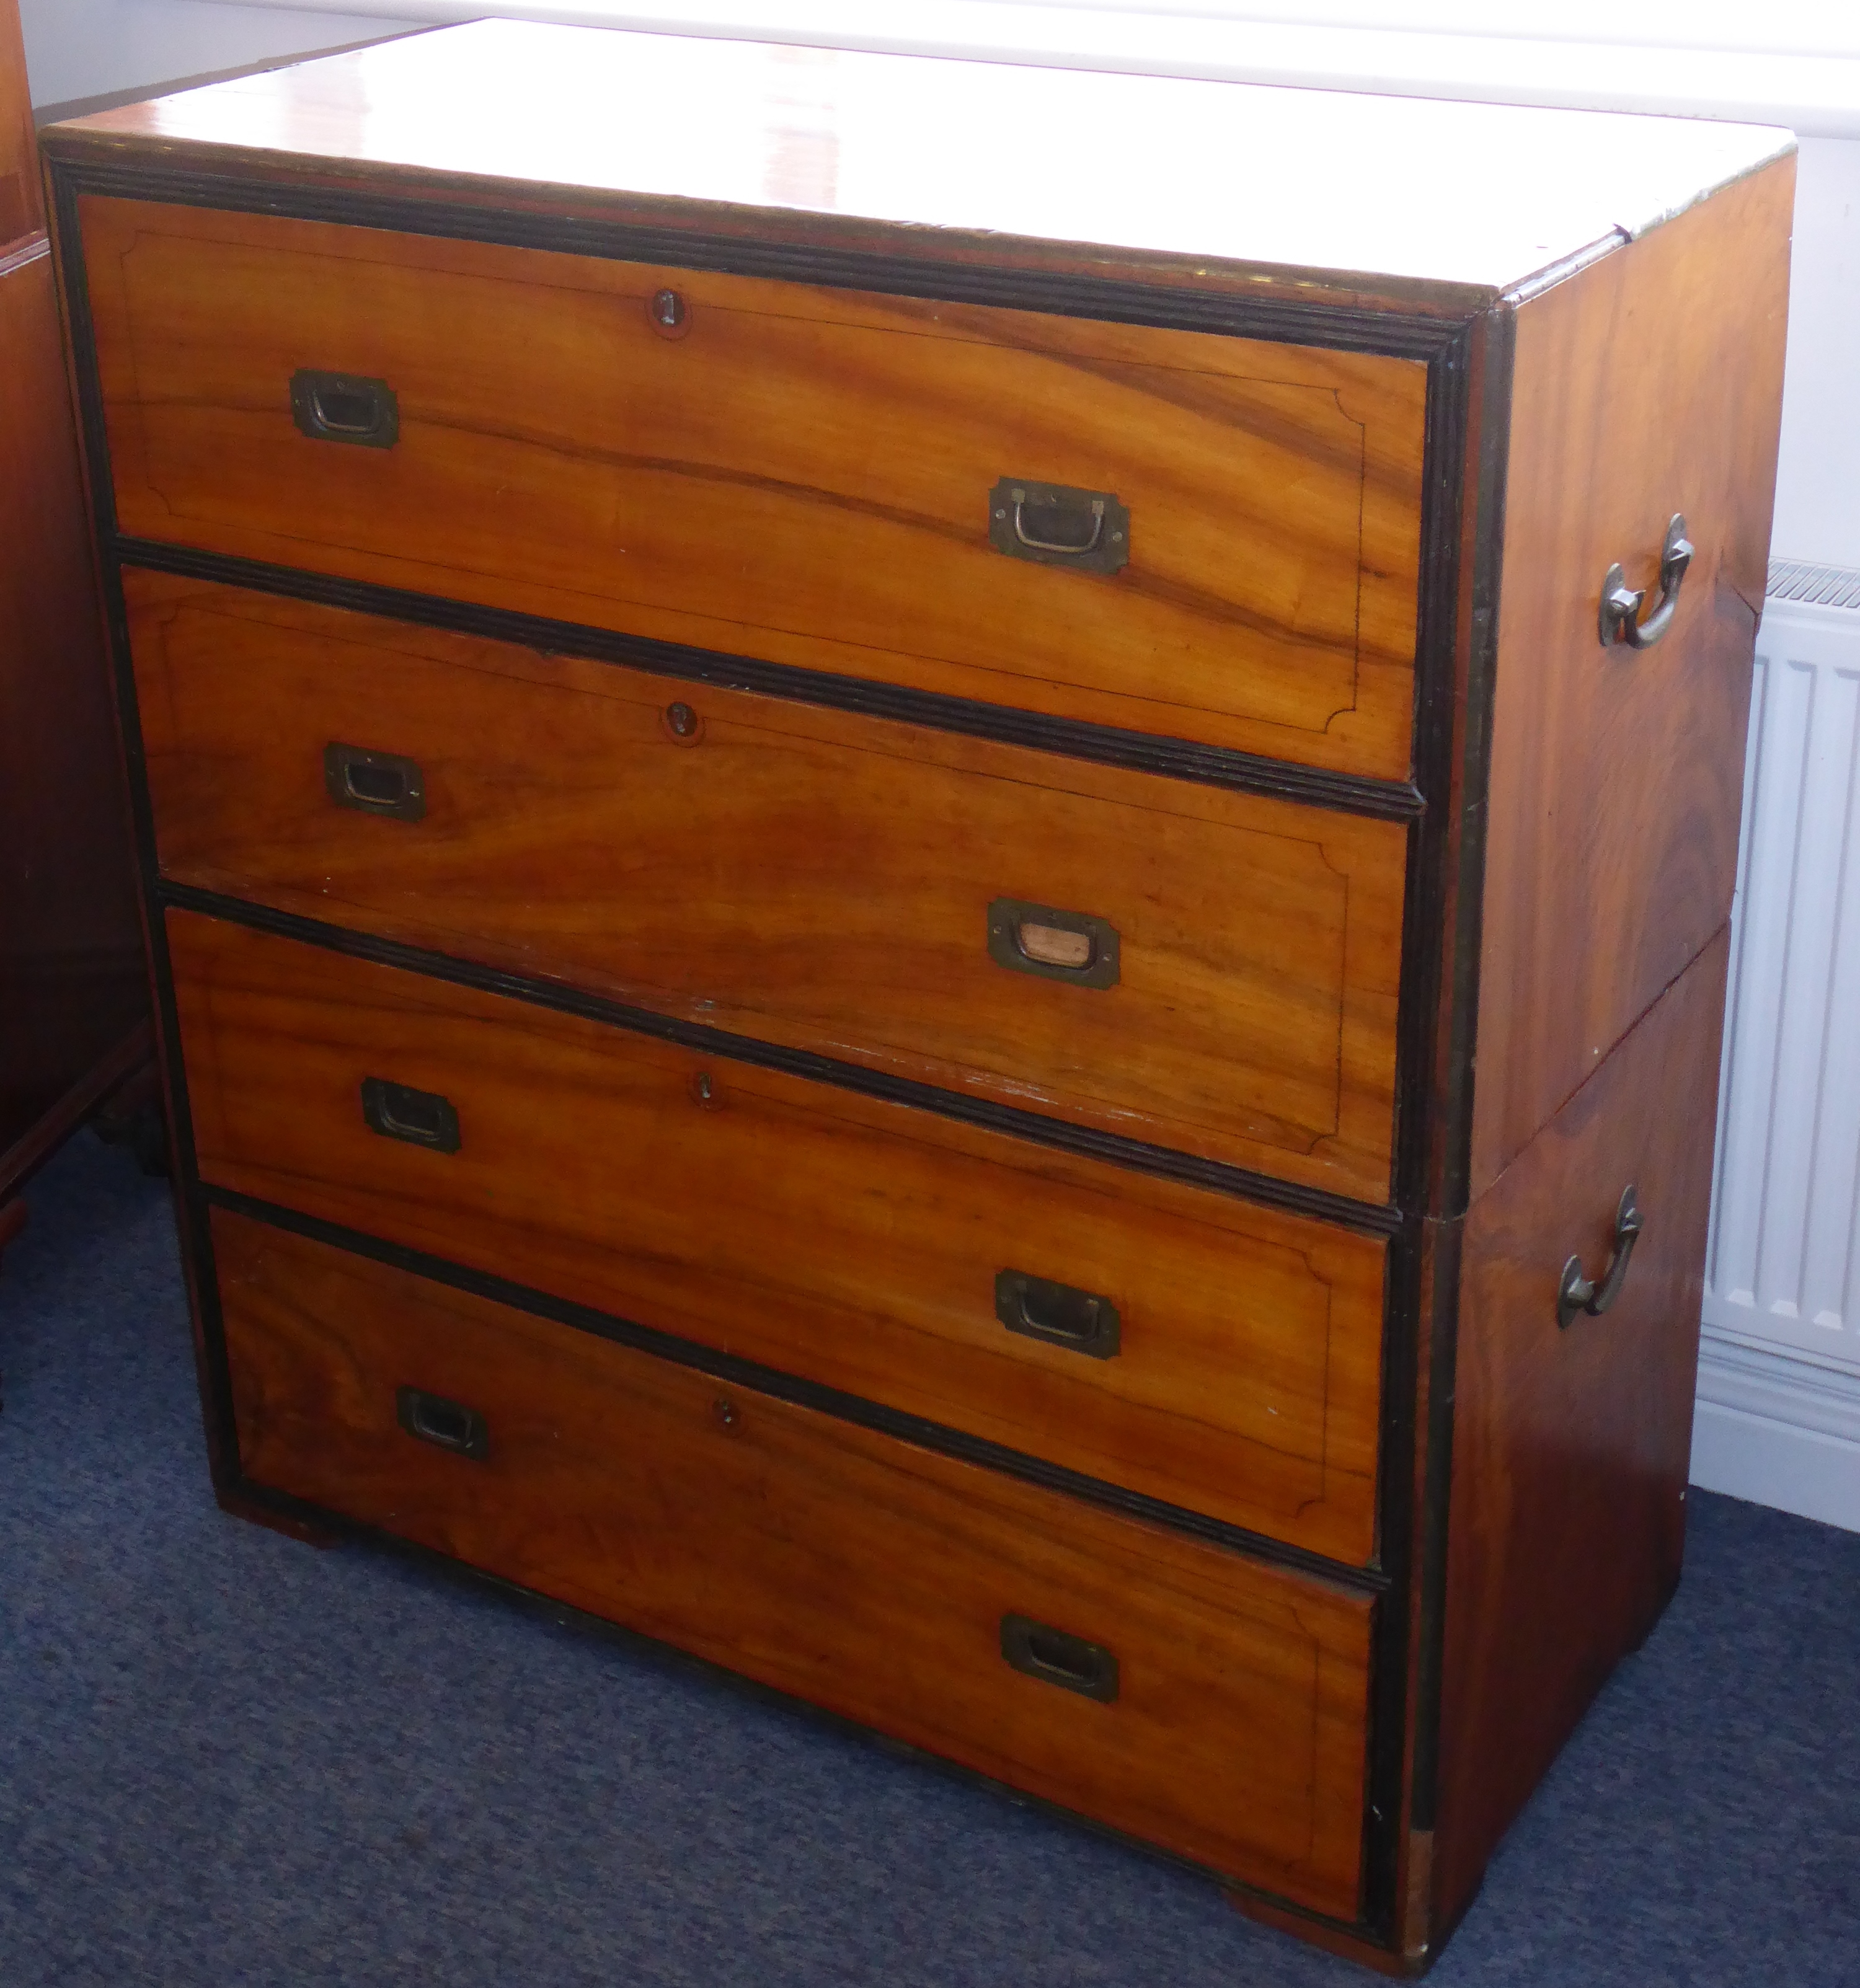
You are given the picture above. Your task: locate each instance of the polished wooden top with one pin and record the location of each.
(1421, 204)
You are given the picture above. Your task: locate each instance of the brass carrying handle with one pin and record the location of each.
(1620, 620)
(1575, 1293)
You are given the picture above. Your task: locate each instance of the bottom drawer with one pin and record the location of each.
(1210, 1704)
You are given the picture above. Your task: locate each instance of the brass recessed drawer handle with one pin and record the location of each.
(446, 1424)
(1055, 944)
(345, 407)
(1081, 1321)
(1038, 1650)
(1576, 1294)
(1620, 605)
(420, 1117)
(374, 782)
(1054, 525)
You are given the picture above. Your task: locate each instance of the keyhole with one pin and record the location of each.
(669, 313)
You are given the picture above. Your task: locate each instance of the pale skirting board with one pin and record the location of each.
(1778, 1419)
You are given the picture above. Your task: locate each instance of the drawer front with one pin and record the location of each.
(1200, 1701)
(1231, 1365)
(822, 880)
(818, 477)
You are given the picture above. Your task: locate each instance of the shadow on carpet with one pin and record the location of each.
(228, 1759)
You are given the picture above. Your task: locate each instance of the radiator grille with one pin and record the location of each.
(1784, 1262)
(1825, 585)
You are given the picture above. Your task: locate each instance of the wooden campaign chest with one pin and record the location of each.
(937, 860)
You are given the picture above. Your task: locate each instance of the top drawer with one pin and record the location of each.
(818, 477)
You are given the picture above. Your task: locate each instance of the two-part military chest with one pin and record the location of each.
(925, 911)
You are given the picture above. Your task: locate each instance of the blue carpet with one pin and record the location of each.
(229, 1759)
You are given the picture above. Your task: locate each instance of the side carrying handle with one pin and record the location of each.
(1620, 605)
(1038, 1650)
(1052, 944)
(345, 407)
(420, 1117)
(446, 1424)
(1575, 1293)
(374, 782)
(1080, 1321)
(1054, 525)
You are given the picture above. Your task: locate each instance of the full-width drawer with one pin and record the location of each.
(843, 480)
(1197, 1349)
(1205, 1702)
(870, 891)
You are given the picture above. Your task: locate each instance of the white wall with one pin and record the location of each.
(1818, 490)
(88, 48)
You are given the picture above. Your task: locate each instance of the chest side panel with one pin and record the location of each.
(1570, 1442)
(1649, 386)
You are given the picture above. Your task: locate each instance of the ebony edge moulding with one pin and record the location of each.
(1117, 813)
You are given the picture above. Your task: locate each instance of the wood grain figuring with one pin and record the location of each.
(1571, 1447)
(22, 205)
(1374, 202)
(1651, 384)
(807, 875)
(851, 1242)
(73, 983)
(803, 474)
(857, 1572)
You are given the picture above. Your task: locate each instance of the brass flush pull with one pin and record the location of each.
(1080, 1321)
(1620, 605)
(1073, 946)
(1053, 524)
(374, 782)
(446, 1424)
(1575, 1293)
(1038, 1650)
(345, 407)
(420, 1117)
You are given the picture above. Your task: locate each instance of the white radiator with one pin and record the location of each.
(1778, 1416)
